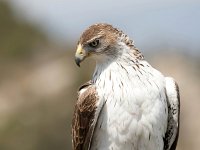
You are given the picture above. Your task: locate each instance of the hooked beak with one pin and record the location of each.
(80, 55)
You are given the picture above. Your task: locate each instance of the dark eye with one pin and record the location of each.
(94, 43)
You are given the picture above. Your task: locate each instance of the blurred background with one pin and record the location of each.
(39, 79)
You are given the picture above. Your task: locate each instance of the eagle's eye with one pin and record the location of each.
(94, 43)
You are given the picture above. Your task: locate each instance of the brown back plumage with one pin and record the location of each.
(82, 123)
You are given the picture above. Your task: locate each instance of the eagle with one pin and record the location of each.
(127, 105)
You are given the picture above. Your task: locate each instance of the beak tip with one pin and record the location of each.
(78, 61)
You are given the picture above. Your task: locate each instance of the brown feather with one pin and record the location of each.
(82, 123)
(100, 29)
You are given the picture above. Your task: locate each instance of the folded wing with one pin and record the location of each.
(84, 119)
(173, 99)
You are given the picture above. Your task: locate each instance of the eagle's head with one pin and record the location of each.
(101, 41)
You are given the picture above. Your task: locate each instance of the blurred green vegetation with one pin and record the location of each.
(17, 39)
(40, 122)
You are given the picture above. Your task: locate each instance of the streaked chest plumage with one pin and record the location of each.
(134, 113)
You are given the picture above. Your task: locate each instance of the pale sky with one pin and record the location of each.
(150, 24)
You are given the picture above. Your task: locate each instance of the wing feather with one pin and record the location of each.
(173, 99)
(83, 122)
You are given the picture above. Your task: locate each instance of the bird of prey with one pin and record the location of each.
(127, 105)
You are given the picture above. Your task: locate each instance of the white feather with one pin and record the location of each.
(134, 116)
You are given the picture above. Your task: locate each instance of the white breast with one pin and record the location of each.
(134, 116)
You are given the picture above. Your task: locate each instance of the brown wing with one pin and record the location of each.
(83, 120)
